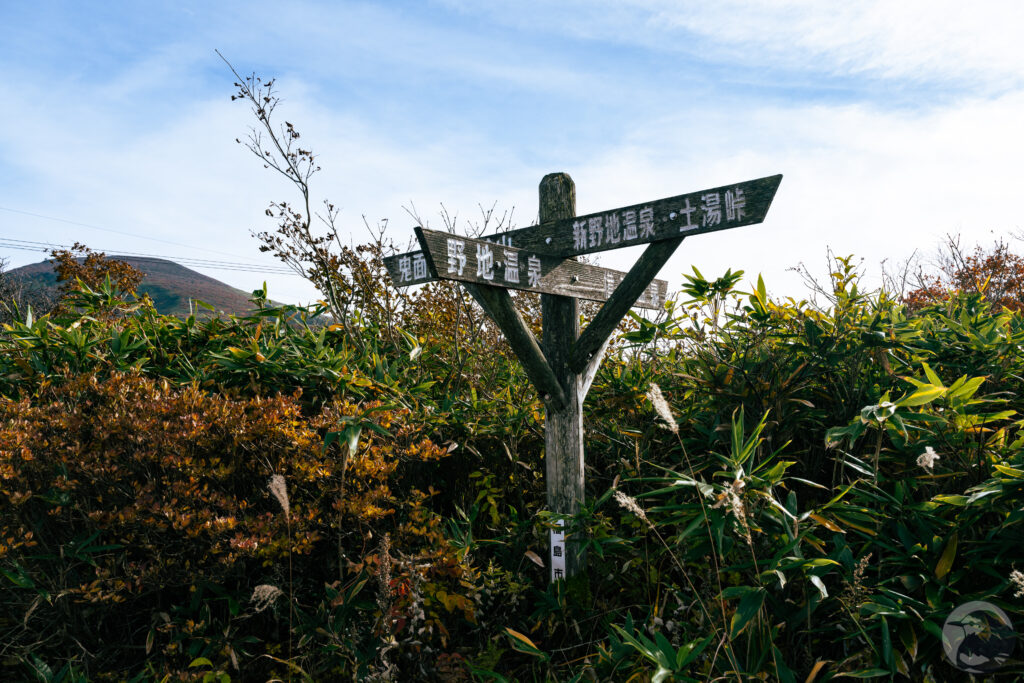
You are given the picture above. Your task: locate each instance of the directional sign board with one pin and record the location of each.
(411, 268)
(454, 257)
(540, 258)
(720, 208)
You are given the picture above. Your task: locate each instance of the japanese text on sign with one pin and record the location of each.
(558, 551)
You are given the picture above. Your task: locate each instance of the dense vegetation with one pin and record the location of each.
(272, 497)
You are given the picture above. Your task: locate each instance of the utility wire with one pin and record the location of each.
(45, 247)
(211, 263)
(117, 232)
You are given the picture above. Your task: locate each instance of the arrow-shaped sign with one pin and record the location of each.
(478, 261)
(719, 208)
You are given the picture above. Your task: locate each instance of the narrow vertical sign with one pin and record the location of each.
(558, 551)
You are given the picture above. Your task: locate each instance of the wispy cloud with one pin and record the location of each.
(471, 103)
(974, 46)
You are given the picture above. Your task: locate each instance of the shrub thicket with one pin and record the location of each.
(790, 524)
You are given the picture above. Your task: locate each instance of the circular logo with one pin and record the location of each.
(978, 637)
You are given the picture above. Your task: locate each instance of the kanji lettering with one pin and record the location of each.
(712, 207)
(511, 266)
(579, 234)
(612, 231)
(646, 222)
(653, 291)
(419, 266)
(484, 261)
(533, 271)
(735, 202)
(686, 211)
(629, 225)
(595, 231)
(456, 256)
(405, 269)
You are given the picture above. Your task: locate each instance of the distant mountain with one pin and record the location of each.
(170, 285)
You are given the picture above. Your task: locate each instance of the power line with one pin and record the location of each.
(45, 247)
(117, 232)
(208, 262)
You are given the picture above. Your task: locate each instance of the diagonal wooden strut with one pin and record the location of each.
(497, 302)
(608, 318)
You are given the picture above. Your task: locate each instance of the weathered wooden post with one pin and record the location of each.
(541, 259)
(563, 425)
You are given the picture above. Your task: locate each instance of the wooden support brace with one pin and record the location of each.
(608, 318)
(498, 304)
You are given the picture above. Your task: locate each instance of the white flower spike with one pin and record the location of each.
(928, 458)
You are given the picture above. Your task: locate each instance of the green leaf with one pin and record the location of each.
(203, 304)
(945, 562)
(748, 608)
(952, 499)
(737, 592)
(522, 643)
(967, 389)
(932, 377)
(19, 581)
(921, 397)
(870, 673)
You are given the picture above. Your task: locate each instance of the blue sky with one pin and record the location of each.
(893, 123)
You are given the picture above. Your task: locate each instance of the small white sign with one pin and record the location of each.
(558, 551)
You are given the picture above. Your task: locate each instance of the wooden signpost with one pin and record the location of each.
(482, 262)
(540, 259)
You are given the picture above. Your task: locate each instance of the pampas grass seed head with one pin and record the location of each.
(279, 489)
(662, 408)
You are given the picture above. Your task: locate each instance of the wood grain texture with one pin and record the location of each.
(607, 319)
(403, 271)
(694, 213)
(498, 304)
(563, 427)
(718, 208)
(465, 259)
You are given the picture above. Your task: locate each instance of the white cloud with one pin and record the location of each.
(929, 39)
(185, 180)
(857, 179)
(971, 45)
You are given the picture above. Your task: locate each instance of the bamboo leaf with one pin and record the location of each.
(750, 605)
(921, 397)
(945, 562)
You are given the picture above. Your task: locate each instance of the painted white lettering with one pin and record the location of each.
(735, 202)
(419, 266)
(612, 230)
(533, 271)
(686, 211)
(595, 231)
(711, 205)
(579, 235)
(629, 225)
(484, 261)
(456, 256)
(511, 266)
(646, 222)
